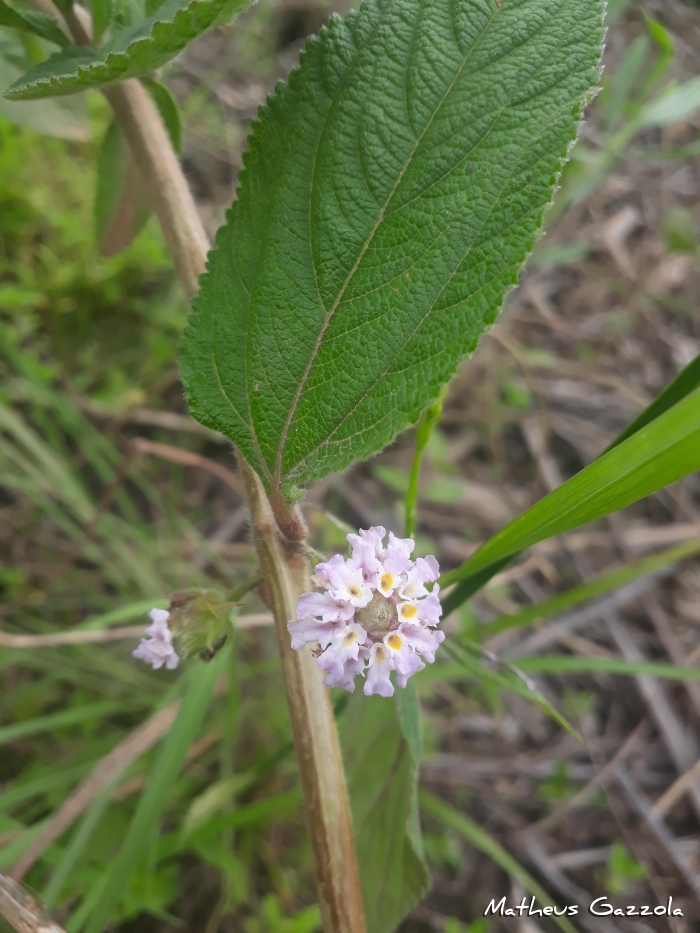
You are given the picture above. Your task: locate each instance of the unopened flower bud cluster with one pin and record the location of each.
(374, 614)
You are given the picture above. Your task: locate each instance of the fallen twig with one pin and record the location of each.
(22, 911)
(106, 771)
(189, 458)
(91, 637)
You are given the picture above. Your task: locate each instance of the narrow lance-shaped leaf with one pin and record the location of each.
(131, 53)
(470, 582)
(201, 680)
(659, 454)
(391, 192)
(503, 676)
(623, 576)
(686, 380)
(485, 843)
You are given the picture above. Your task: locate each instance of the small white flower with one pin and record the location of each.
(378, 670)
(406, 661)
(424, 570)
(345, 646)
(393, 573)
(374, 616)
(423, 640)
(344, 582)
(157, 649)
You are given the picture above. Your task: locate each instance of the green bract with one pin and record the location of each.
(392, 191)
(131, 53)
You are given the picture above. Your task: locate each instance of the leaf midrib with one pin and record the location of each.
(365, 245)
(383, 373)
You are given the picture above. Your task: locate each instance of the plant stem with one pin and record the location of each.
(412, 492)
(427, 423)
(286, 572)
(285, 565)
(169, 193)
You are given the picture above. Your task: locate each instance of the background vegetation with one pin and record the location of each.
(111, 498)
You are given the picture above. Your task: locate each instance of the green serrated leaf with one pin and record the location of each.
(380, 739)
(64, 118)
(131, 53)
(36, 23)
(391, 194)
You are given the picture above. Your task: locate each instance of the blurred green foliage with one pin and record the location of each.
(80, 333)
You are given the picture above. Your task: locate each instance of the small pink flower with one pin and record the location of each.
(374, 537)
(374, 614)
(403, 545)
(308, 631)
(344, 582)
(157, 649)
(324, 606)
(424, 570)
(364, 559)
(406, 661)
(378, 670)
(345, 678)
(345, 646)
(423, 640)
(393, 574)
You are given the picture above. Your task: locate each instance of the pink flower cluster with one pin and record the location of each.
(374, 614)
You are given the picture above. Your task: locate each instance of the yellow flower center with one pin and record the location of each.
(394, 641)
(354, 590)
(349, 638)
(408, 611)
(380, 656)
(386, 581)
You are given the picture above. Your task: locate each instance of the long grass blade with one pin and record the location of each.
(685, 382)
(659, 454)
(589, 590)
(68, 717)
(154, 799)
(481, 840)
(569, 664)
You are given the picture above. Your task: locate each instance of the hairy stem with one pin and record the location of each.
(169, 194)
(284, 565)
(286, 571)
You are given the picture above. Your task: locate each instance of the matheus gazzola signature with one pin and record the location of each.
(600, 907)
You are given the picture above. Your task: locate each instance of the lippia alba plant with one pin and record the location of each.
(391, 192)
